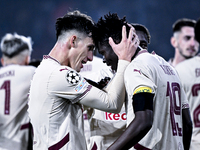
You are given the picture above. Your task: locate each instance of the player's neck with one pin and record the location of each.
(177, 59)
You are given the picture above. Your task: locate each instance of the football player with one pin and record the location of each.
(183, 40)
(104, 127)
(189, 72)
(157, 109)
(15, 78)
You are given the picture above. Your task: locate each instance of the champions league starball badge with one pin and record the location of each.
(73, 77)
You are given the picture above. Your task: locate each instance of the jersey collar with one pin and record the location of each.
(49, 57)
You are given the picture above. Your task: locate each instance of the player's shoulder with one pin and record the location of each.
(25, 72)
(20, 68)
(189, 62)
(189, 67)
(64, 69)
(71, 75)
(27, 68)
(144, 58)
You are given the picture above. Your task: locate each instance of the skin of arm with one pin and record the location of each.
(187, 128)
(137, 129)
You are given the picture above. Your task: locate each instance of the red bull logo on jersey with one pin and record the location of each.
(115, 117)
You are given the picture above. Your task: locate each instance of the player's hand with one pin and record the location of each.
(127, 47)
(103, 82)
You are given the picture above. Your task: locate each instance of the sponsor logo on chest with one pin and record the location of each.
(115, 117)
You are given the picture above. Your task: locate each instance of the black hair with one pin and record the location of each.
(182, 23)
(109, 26)
(139, 27)
(197, 30)
(74, 20)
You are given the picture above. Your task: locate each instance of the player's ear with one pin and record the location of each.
(27, 60)
(2, 61)
(73, 41)
(173, 41)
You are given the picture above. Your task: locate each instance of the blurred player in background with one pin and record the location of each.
(58, 92)
(197, 30)
(189, 72)
(157, 108)
(183, 40)
(107, 127)
(15, 78)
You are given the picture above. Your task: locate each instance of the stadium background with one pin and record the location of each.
(36, 18)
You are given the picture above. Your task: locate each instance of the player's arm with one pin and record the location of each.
(141, 124)
(110, 99)
(187, 128)
(30, 137)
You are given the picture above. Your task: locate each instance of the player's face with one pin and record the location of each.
(143, 39)
(186, 43)
(82, 53)
(109, 57)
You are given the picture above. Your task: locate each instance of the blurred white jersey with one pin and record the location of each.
(189, 72)
(92, 67)
(103, 128)
(14, 121)
(151, 72)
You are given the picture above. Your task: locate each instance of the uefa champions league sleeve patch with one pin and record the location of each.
(73, 77)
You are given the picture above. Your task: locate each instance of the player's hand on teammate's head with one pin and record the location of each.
(127, 47)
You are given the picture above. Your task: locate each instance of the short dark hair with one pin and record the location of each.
(13, 44)
(109, 26)
(197, 30)
(140, 27)
(74, 20)
(182, 23)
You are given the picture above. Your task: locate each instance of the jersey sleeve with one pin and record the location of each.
(112, 97)
(184, 99)
(68, 84)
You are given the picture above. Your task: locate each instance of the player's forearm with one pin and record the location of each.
(135, 131)
(187, 129)
(116, 88)
(110, 100)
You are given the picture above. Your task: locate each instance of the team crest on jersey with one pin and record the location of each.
(73, 77)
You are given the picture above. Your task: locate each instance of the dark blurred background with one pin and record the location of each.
(37, 18)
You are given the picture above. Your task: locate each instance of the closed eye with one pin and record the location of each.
(91, 47)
